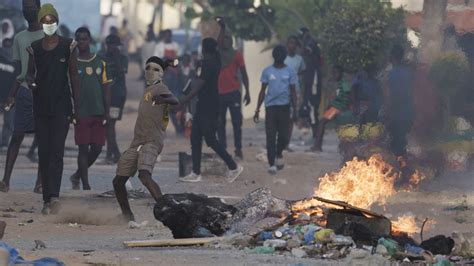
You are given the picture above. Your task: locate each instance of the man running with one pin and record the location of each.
(207, 111)
(95, 102)
(20, 95)
(52, 66)
(149, 136)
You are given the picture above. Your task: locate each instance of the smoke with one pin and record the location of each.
(87, 215)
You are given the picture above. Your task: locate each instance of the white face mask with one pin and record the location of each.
(50, 29)
(153, 73)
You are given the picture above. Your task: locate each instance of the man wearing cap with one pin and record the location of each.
(20, 95)
(117, 64)
(51, 67)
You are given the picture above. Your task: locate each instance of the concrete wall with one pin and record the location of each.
(256, 61)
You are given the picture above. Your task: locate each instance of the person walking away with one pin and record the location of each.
(149, 135)
(20, 96)
(7, 76)
(95, 101)
(169, 50)
(296, 62)
(340, 104)
(207, 112)
(52, 65)
(312, 78)
(400, 107)
(280, 80)
(230, 97)
(117, 64)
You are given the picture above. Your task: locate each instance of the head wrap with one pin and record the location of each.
(47, 9)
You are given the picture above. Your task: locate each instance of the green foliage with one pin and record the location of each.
(358, 34)
(242, 17)
(352, 33)
(449, 73)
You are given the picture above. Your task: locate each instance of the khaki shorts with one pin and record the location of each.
(138, 158)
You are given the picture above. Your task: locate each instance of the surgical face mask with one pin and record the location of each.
(50, 29)
(153, 74)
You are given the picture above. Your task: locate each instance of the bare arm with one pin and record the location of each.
(245, 81)
(220, 37)
(106, 91)
(74, 76)
(30, 74)
(166, 99)
(16, 85)
(196, 86)
(294, 101)
(261, 98)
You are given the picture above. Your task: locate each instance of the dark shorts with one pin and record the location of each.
(23, 122)
(90, 130)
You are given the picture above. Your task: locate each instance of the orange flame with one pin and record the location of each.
(407, 224)
(360, 183)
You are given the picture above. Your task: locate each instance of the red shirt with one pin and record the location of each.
(228, 79)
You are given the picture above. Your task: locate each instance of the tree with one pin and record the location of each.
(359, 34)
(434, 15)
(244, 19)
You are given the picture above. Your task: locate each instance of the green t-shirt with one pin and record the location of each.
(343, 98)
(93, 75)
(21, 42)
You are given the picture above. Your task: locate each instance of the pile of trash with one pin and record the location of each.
(314, 241)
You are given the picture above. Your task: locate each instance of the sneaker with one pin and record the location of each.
(233, 174)
(239, 155)
(279, 163)
(75, 181)
(46, 208)
(55, 206)
(191, 178)
(272, 170)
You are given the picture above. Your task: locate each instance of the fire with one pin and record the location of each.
(407, 224)
(360, 183)
(415, 179)
(311, 207)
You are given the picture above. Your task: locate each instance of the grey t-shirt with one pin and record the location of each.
(23, 40)
(152, 120)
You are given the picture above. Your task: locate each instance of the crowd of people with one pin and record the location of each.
(56, 81)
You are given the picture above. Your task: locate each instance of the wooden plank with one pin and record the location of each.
(171, 242)
(348, 206)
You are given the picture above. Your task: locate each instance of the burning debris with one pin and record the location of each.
(335, 222)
